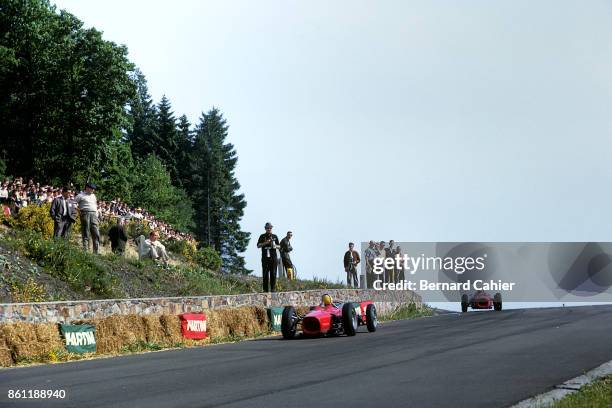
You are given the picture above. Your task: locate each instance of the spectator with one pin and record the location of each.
(118, 237)
(370, 255)
(285, 248)
(268, 242)
(399, 271)
(4, 193)
(88, 209)
(152, 248)
(63, 211)
(351, 260)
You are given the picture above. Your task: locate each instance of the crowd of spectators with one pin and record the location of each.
(383, 250)
(16, 194)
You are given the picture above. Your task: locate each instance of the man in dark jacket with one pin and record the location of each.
(118, 237)
(268, 242)
(64, 213)
(285, 248)
(351, 260)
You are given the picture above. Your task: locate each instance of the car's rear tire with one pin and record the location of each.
(289, 322)
(349, 319)
(497, 302)
(464, 303)
(371, 318)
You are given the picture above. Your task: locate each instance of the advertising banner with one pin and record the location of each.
(517, 271)
(193, 325)
(275, 314)
(79, 338)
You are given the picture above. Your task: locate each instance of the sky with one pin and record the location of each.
(405, 120)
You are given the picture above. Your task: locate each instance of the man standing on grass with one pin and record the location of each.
(268, 242)
(88, 209)
(63, 212)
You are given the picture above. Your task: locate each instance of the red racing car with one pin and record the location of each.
(329, 319)
(481, 300)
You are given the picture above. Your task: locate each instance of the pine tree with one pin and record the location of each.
(214, 191)
(168, 136)
(143, 114)
(185, 145)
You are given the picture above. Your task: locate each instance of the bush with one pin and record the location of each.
(208, 258)
(137, 228)
(183, 247)
(67, 262)
(36, 218)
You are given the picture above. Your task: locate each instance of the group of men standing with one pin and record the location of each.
(269, 243)
(64, 211)
(383, 251)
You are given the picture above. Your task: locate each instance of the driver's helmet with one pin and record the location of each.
(326, 299)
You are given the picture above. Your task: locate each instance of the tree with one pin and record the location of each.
(214, 191)
(185, 145)
(143, 116)
(153, 190)
(63, 92)
(167, 149)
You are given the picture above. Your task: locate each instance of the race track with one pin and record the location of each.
(479, 359)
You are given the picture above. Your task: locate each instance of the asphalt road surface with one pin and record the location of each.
(478, 359)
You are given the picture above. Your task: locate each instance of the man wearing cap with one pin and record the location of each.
(63, 212)
(88, 209)
(268, 242)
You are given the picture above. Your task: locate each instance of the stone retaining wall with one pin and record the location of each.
(65, 312)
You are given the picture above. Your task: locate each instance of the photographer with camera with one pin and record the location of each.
(268, 242)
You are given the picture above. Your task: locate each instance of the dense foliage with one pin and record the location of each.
(73, 108)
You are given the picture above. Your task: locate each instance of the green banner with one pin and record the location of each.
(275, 314)
(79, 338)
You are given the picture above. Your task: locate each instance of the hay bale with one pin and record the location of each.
(171, 325)
(6, 357)
(237, 322)
(154, 330)
(29, 340)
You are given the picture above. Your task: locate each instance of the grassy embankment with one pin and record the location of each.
(37, 268)
(595, 395)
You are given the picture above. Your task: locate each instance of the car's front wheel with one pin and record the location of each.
(497, 302)
(464, 303)
(289, 322)
(349, 319)
(371, 318)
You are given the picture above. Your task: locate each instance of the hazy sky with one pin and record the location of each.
(405, 120)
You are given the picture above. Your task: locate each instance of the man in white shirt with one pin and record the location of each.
(152, 248)
(88, 209)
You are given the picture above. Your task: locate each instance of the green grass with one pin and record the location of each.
(140, 346)
(595, 395)
(91, 276)
(407, 312)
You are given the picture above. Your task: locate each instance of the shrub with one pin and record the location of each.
(208, 258)
(183, 247)
(29, 291)
(137, 228)
(36, 218)
(67, 262)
